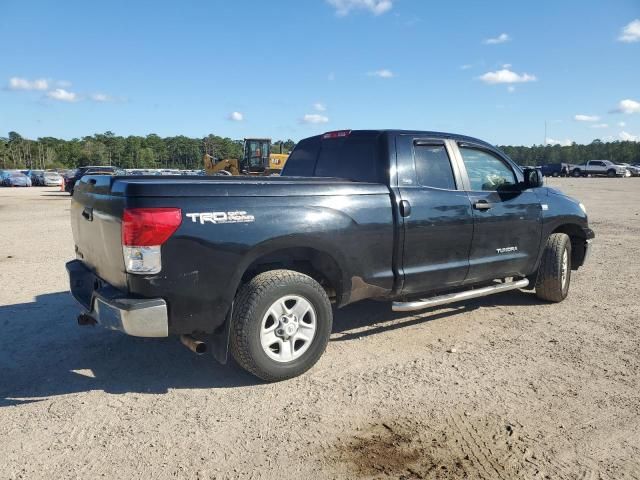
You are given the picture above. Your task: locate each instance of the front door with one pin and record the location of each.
(507, 218)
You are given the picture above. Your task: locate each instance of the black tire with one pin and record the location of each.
(250, 307)
(611, 173)
(576, 173)
(549, 281)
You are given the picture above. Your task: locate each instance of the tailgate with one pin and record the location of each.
(96, 224)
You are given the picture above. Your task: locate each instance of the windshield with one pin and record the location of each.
(257, 153)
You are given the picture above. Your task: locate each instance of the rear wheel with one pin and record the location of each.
(576, 173)
(281, 324)
(554, 273)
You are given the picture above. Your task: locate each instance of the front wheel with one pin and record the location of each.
(281, 324)
(554, 273)
(611, 173)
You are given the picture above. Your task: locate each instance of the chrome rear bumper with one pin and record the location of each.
(110, 308)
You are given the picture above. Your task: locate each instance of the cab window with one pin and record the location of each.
(433, 168)
(486, 171)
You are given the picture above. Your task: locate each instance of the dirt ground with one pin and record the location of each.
(503, 387)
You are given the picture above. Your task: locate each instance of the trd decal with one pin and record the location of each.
(221, 217)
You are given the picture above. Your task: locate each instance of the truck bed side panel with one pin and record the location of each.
(203, 263)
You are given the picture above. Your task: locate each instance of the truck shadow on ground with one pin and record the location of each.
(371, 317)
(44, 353)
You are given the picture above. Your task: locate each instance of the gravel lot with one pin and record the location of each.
(502, 387)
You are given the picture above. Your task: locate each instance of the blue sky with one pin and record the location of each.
(293, 68)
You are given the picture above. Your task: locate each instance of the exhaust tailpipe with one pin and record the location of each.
(196, 346)
(85, 319)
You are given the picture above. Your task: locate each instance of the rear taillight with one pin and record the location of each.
(144, 230)
(149, 226)
(336, 134)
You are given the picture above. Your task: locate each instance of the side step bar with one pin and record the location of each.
(457, 297)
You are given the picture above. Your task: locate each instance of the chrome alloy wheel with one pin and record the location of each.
(564, 268)
(288, 328)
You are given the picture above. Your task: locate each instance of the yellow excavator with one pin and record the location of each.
(257, 159)
(221, 167)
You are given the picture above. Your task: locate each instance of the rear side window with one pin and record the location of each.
(486, 171)
(302, 161)
(355, 157)
(433, 168)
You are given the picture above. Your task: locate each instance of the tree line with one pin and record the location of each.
(153, 151)
(617, 152)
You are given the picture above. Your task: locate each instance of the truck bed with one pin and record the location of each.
(202, 263)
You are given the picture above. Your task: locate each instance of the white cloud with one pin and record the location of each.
(622, 124)
(384, 73)
(506, 76)
(377, 7)
(314, 118)
(600, 125)
(235, 117)
(631, 32)
(101, 97)
(628, 106)
(627, 137)
(62, 95)
(502, 38)
(17, 83)
(586, 118)
(506, 65)
(565, 143)
(320, 107)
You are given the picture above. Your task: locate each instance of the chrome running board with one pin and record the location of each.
(457, 297)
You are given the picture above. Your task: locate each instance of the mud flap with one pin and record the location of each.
(219, 340)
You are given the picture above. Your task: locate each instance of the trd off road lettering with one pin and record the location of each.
(221, 217)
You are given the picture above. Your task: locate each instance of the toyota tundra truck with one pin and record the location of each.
(256, 265)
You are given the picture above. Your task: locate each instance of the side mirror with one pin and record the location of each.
(533, 178)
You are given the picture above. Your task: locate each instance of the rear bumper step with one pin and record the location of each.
(110, 308)
(459, 296)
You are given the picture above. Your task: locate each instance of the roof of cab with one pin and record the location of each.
(426, 133)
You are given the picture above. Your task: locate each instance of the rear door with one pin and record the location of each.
(436, 215)
(596, 166)
(507, 219)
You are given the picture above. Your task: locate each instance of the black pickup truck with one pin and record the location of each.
(254, 264)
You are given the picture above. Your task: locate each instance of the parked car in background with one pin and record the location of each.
(36, 177)
(51, 179)
(634, 170)
(70, 181)
(557, 169)
(15, 178)
(599, 167)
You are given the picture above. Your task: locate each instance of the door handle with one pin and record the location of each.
(405, 208)
(87, 213)
(482, 205)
